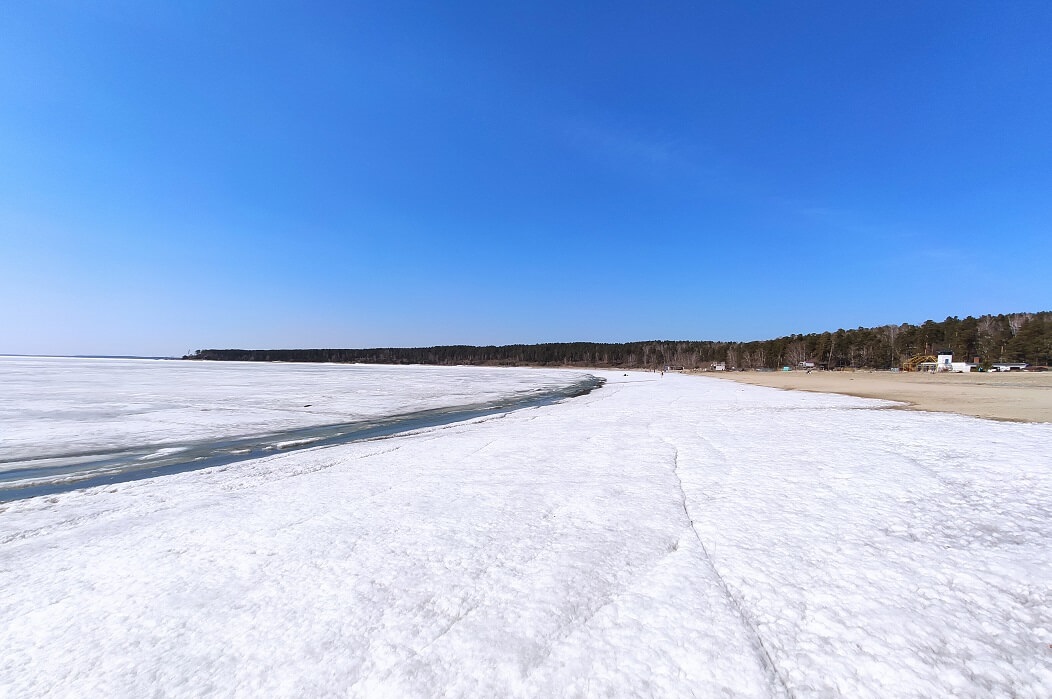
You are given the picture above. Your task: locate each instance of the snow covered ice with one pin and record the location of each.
(661, 536)
(57, 405)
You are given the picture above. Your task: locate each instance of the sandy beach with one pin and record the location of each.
(1015, 396)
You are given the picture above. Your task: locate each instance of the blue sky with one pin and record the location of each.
(294, 174)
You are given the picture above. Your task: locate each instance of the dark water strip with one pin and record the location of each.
(89, 469)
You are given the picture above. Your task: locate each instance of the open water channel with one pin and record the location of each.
(28, 478)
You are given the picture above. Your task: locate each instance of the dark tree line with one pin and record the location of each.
(1016, 337)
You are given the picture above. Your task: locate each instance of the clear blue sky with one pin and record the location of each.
(184, 175)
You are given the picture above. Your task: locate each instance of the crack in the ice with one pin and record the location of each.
(484, 446)
(762, 653)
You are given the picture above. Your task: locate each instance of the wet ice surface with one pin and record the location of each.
(64, 405)
(368, 401)
(658, 537)
(64, 419)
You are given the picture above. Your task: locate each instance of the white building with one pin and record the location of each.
(945, 363)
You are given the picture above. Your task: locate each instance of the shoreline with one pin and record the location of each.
(1004, 396)
(605, 531)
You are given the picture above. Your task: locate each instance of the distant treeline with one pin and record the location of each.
(1016, 337)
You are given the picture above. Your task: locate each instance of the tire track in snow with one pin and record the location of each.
(763, 655)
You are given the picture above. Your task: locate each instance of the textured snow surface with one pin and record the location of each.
(58, 406)
(672, 536)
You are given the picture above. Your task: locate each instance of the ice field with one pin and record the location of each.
(73, 423)
(59, 406)
(660, 536)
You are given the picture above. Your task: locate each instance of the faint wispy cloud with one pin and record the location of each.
(945, 255)
(835, 221)
(617, 144)
(824, 213)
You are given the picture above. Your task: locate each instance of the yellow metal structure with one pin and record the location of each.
(916, 360)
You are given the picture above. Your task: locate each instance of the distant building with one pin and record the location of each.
(719, 366)
(1009, 366)
(945, 363)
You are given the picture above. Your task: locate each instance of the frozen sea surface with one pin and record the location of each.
(67, 422)
(672, 536)
(59, 405)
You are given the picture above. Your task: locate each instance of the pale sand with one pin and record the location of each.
(1015, 396)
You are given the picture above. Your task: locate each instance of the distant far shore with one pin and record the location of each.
(1012, 396)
